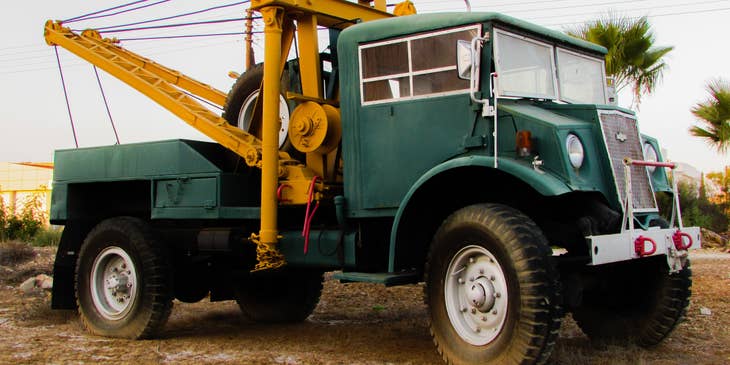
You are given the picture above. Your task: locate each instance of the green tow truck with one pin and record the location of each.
(471, 151)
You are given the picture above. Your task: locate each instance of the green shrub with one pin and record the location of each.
(3, 218)
(48, 236)
(23, 226)
(697, 210)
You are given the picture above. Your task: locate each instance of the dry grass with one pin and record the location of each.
(20, 261)
(13, 253)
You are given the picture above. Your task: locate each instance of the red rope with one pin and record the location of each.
(307, 216)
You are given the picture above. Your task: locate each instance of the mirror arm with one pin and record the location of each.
(487, 109)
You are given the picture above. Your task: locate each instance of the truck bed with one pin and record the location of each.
(186, 179)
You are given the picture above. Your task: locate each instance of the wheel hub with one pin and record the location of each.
(118, 284)
(481, 295)
(248, 109)
(476, 295)
(113, 283)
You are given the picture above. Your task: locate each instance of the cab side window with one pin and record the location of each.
(412, 67)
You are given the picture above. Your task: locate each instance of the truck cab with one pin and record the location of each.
(528, 124)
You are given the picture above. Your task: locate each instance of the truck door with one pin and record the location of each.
(414, 112)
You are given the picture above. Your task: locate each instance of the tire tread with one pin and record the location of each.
(538, 325)
(155, 268)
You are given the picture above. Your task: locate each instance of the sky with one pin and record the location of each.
(34, 120)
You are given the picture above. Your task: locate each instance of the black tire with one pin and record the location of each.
(245, 87)
(123, 250)
(287, 296)
(189, 287)
(637, 302)
(504, 245)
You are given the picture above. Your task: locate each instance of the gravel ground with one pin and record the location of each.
(353, 324)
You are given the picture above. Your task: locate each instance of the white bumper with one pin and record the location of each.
(623, 246)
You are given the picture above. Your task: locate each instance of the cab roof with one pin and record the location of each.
(398, 26)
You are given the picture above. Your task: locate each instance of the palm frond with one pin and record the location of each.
(632, 59)
(714, 115)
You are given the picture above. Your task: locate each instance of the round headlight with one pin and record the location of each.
(575, 150)
(650, 155)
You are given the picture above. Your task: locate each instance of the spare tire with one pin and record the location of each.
(244, 108)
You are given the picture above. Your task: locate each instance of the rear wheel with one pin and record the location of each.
(123, 282)
(635, 302)
(492, 289)
(191, 284)
(286, 296)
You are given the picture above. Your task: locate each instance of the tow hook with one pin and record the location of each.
(640, 246)
(678, 240)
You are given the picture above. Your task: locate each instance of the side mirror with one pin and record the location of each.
(464, 59)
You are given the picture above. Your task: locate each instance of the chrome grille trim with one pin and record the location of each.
(622, 138)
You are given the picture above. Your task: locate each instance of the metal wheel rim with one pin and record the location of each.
(476, 296)
(113, 283)
(245, 115)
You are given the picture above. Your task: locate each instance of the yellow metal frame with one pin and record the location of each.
(268, 235)
(308, 14)
(171, 76)
(330, 13)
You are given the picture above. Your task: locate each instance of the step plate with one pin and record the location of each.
(387, 279)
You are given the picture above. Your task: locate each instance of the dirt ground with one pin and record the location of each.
(353, 324)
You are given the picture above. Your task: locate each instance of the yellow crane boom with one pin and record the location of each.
(159, 83)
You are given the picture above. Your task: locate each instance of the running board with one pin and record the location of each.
(385, 278)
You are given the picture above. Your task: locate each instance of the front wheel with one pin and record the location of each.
(637, 302)
(491, 288)
(123, 282)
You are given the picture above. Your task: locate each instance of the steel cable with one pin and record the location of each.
(65, 94)
(118, 12)
(173, 16)
(176, 25)
(82, 17)
(106, 104)
(185, 36)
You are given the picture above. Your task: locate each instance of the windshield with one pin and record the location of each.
(531, 69)
(524, 67)
(580, 78)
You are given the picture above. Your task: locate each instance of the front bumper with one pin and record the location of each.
(635, 244)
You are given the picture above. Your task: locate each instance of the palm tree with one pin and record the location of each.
(714, 116)
(632, 59)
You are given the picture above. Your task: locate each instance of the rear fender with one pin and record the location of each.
(64, 267)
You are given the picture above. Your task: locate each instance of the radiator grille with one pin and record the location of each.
(622, 140)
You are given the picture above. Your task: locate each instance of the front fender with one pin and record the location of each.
(542, 182)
